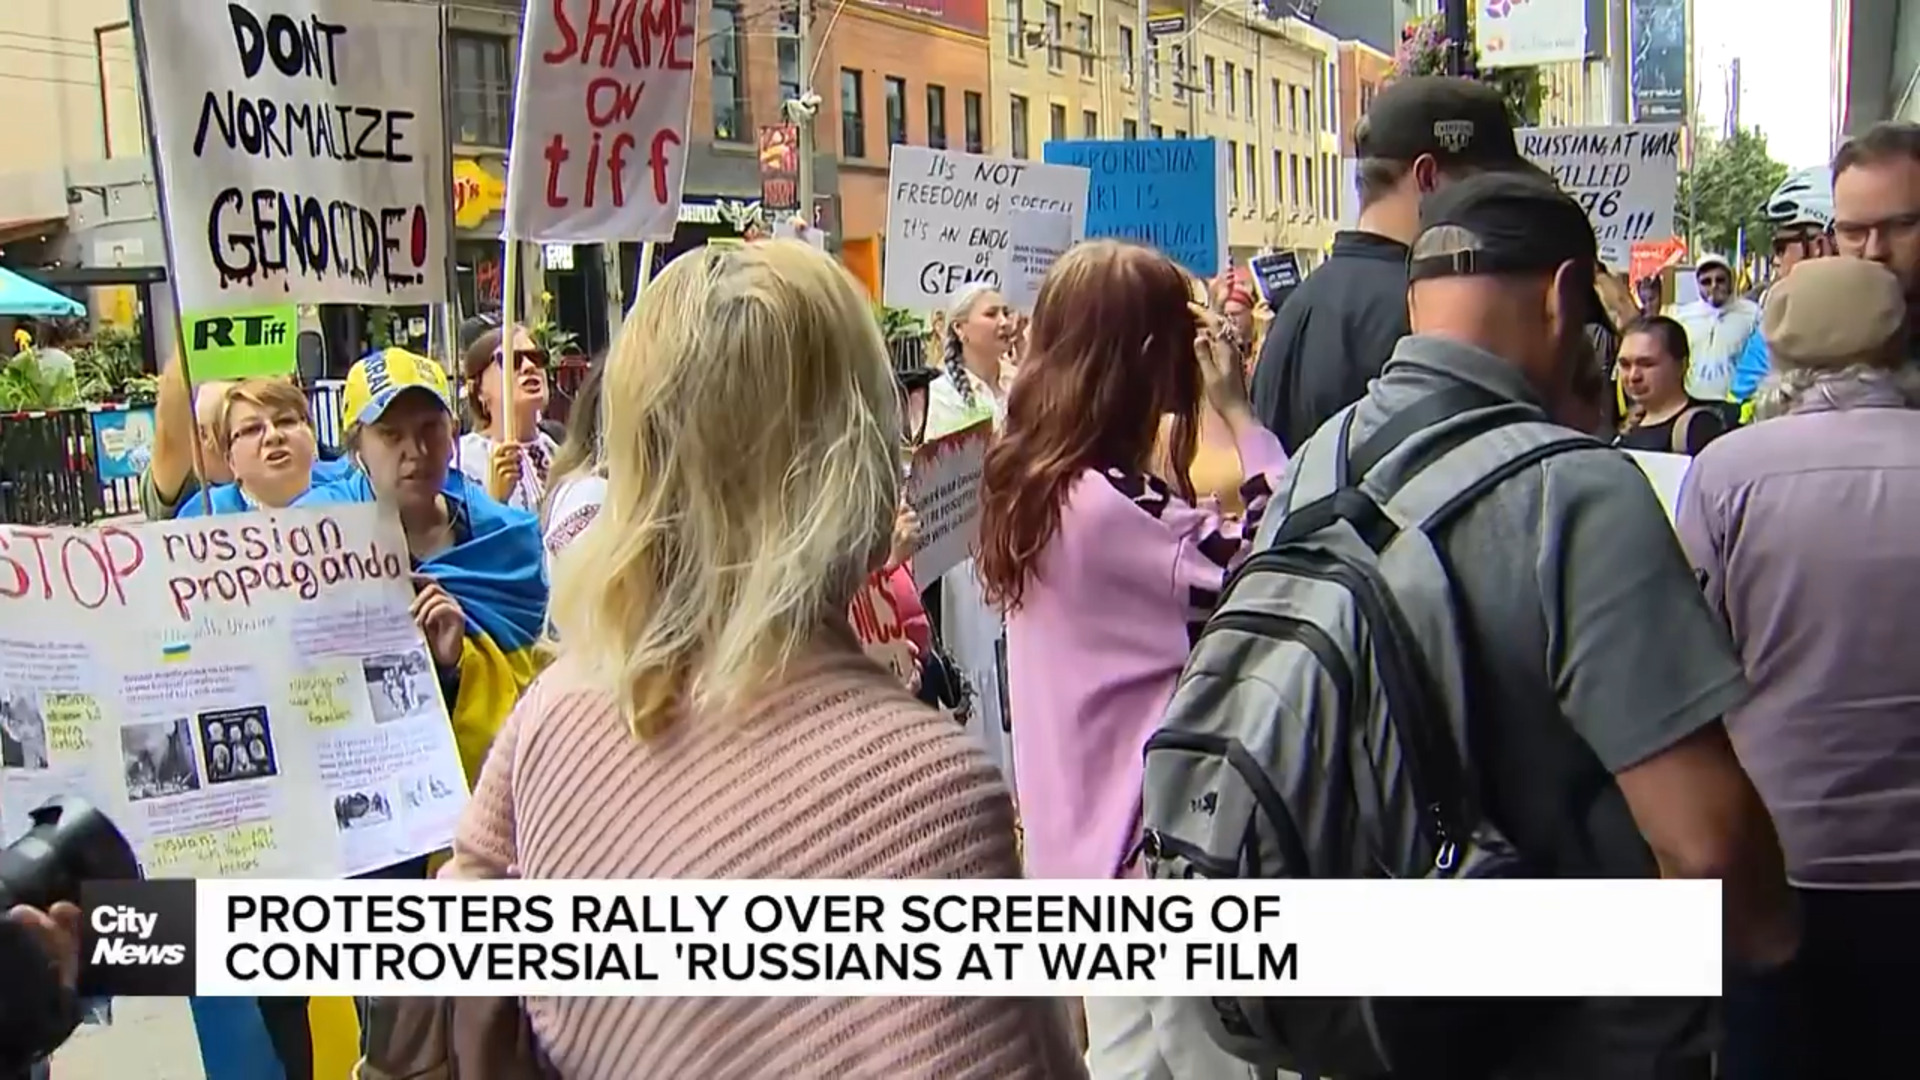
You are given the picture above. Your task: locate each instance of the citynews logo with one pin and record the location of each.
(137, 938)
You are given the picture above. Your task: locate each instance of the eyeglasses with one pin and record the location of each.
(538, 357)
(256, 430)
(1857, 233)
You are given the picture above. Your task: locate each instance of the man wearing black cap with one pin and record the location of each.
(1596, 673)
(1337, 328)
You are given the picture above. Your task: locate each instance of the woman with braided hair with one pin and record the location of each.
(973, 374)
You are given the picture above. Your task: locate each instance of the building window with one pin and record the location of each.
(1130, 129)
(1273, 105)
(1327, 118)
(482, 89)
(1057, 123)
(1306, 106)
(936, 116)
(730, 121)
(1153, 58)
(896, 110)
(1293, 109)
(1126, 57)
(1179, 73)
(1017, 30)
(1179, 133)
(1279, 173)
(1246, 93)
(1330, 188)
(787, 45)
(1017, 117)
(974, 118)
(1232, 107)
(1086, 46)
(1312, 199)
(1293, 179)
(1089, 124)
(1233, 167)
(1253, 174)
(1212, 103)
(1056, 61)
(853, 115)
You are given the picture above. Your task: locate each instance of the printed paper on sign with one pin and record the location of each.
(1034, 242)
(1623, 175)
(1524, 33)
(303, 150)
(243, 344)
(604, 100)
(943, 488)
(949, 219)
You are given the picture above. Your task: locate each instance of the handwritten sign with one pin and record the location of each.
(943, 487)
(1276, 275)
(600, 128)
(1037, 241)
(71, 721)
(303, 150)
(1624, 176)
(1170, 194)
(320, 696)
(236, 851)
(949, 219)
(876, 622)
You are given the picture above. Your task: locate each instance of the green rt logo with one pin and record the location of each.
(251, 331)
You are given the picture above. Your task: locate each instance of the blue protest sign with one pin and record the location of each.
(1169, 193)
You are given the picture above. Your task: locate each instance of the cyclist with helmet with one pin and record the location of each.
(1801, 212)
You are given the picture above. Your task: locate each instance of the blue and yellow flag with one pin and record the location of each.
(496, 570)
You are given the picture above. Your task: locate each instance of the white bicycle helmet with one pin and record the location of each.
(1803, 198)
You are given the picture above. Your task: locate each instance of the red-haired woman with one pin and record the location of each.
(1104, 571)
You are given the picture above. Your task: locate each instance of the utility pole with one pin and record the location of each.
(1459, 52)
(801, 112)
(1619, 79)
(1143, 71)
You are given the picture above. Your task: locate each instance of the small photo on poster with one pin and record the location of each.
(399, 684)
(159, 761)
(423, 791)
(361, 810)
(237, 744)
(23, 731)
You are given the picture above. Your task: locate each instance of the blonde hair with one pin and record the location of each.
(752, 456)
(269, 395)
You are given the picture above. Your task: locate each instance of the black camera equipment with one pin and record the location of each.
(70, 842)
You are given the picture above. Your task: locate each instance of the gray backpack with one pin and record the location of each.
(1319, 726)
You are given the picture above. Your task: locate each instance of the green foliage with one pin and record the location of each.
(110, 369)
(897, 324)
(1722, 193)
(25, 386)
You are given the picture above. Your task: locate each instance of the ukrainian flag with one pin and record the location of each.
(497, 572)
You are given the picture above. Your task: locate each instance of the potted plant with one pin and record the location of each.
(109, 371)
(905, 334)
(1423, 51)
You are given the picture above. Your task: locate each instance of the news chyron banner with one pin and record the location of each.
(1467, 938)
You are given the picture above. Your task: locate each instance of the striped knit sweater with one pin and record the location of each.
(838, 773)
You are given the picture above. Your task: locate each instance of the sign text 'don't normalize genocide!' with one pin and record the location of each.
(302, 149)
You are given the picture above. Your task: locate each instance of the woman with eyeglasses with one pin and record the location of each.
(507, 378)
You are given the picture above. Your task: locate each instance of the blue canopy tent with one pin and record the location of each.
(20, 296)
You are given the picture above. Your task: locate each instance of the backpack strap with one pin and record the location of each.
(1683, 426)
(1471, 467)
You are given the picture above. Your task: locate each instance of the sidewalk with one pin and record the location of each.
(149, 1039)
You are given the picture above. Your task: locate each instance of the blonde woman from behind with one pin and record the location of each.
(710, 714)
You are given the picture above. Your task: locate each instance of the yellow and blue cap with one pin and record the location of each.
(381, 377)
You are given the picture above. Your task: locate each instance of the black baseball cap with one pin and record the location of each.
(1455, 120)
(1503, 223)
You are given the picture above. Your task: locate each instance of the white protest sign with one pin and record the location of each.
(303, 150)
(1033, 243)
(245, 696)
(948, 218)
(943, 487)
(600, 124)
(1667, 473)
(1624, 176)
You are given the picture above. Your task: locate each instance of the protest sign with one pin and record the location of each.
(243, 344)
(780, 169)
(600, 123)
(1167, 193)
(1647, 258)
(1667, 473)
(245, 696)
(1277, 275)
(302, 149)
(943, 487)
(949, 223)
(876, 622)
(1624, 176)
(1035, 241)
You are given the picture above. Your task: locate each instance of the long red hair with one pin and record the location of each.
(1110, 352)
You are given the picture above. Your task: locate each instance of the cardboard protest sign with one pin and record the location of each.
(302, 149)
(604, 98)
(1035, 241)
(949, 223)
(1623, 175)
(1167, 193)
(943, 487)
(877, 623)
(243, 344)
(245, 696)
